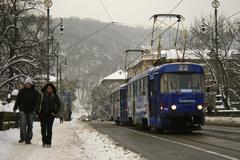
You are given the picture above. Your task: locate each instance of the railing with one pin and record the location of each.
(9, 120)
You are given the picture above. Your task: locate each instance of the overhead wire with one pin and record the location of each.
(172, 10)
(176, 6)
(112, 22)
(169, 26)
(234, 14)
(155, 31)
(98, 30)
(92, 34)
(104, 7)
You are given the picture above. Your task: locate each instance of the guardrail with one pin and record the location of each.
(224, 113)
(9, 120)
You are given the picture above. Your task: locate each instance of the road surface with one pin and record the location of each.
(212, 142)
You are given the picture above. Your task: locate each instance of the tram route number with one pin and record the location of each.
(183, 68)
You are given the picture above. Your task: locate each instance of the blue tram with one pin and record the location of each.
(169, 96)
(119, 105)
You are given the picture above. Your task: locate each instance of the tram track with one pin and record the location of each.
(205, 141)
(190, 140)
(222, 134)
(197, 138)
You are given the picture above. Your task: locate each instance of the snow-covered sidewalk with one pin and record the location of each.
(224, 121)
(75, 140)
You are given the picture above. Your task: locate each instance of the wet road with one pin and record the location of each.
(213, 142)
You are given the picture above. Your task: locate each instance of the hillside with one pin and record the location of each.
(98, 53)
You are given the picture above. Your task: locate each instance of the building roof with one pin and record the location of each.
(118, 75)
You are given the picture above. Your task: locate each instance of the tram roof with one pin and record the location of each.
(169, 68)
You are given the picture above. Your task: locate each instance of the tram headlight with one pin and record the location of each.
(173, 107)
(199, 107)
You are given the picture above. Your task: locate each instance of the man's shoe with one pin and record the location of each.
(28, 142)
(21, 141)
(43, 145)
(48, 145)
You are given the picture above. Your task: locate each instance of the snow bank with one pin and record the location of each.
(101, 146)
(7, 141)
(73, 140)
(7, 108)
(224, 121)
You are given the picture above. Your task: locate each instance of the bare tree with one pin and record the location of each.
(21, 42)
(216, 53)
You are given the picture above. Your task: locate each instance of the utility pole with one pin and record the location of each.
(48, 4)
(215, 5)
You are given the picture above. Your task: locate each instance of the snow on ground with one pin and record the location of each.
(224, 121)
(8, 107)
(75, 140)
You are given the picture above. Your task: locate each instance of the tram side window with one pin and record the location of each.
(152, 88)
(117, 96)
(139, 87)
(134, 89)
(164, 84)
(129, 92)
(131, 86)
(136, 84)
(140, 83)
(144, 86)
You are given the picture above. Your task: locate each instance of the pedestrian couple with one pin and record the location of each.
(45, 105)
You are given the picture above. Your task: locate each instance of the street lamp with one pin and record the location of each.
(215, 5)
(48, 4)
(52, 41)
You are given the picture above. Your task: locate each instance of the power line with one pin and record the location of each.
(176, 6)
(163, 20)
(90, 35)
(104, 7)
(234, 14)
(156, 30)
(170, 26)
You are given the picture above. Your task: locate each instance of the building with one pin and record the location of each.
(101, 94)
(114, 79)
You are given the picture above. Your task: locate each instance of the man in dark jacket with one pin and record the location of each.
(49, 107)
(26, 102)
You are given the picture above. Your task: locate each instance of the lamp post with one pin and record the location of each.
(48, 4)
(215, 5)
(52, 41)
(52, 32)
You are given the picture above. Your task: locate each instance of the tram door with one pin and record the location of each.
(123, 106)
(153, 85)
(133, 102)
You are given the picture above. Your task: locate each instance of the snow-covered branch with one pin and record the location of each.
(30, 62)
(10, 79)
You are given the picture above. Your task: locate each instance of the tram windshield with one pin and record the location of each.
(182, 82)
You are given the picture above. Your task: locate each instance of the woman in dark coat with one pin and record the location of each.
(49, 107)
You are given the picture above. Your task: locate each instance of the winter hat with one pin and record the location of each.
(28, 80)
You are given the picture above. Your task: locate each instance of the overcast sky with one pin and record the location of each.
(134, 12)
